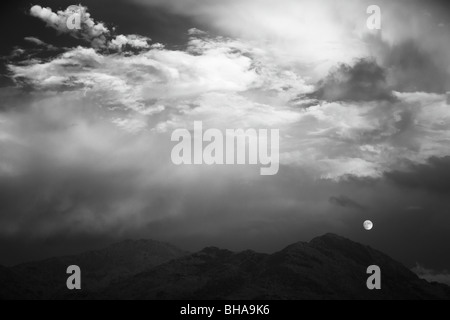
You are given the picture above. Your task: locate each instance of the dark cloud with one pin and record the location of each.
(434, 176)
(413, 70)
(411, 66)
(364, 81)
(346, 202)
(432, 275)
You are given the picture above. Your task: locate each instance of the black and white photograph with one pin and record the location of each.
(225, 150)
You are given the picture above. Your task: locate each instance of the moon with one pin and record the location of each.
(368, 225)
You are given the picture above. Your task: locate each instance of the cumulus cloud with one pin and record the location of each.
(96, 33)
(227, 83)
(91, 31)
(207, 78)
(134, 41)
(354, 125)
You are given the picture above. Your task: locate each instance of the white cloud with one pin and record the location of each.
(159, 77)
(91, 31)
(133, 41)
(237, 83)
(306, 35)
(35, 41)
(314, 35)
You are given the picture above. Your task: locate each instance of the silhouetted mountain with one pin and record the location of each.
(328, 267)
(12, 286)
(47, 279)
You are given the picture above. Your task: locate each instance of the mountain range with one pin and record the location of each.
(328, 267)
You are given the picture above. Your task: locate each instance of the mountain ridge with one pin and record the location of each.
(327, 267)
(99, 267)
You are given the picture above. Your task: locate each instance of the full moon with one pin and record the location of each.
(368, 225)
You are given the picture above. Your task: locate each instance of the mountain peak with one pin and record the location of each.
(330, 236)
(325, 239)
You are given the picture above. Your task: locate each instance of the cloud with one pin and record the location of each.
(412, 67)
(346, 202)
(91, 31)
(134, 41)
(96, 33)
(41, 44)
(364, 81)
(327, 33)
(433, 175)
(68, 163)
(199, 82)
(302, 34)
(431, 275)
(355, 126)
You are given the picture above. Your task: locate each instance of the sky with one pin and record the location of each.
(86, 118)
